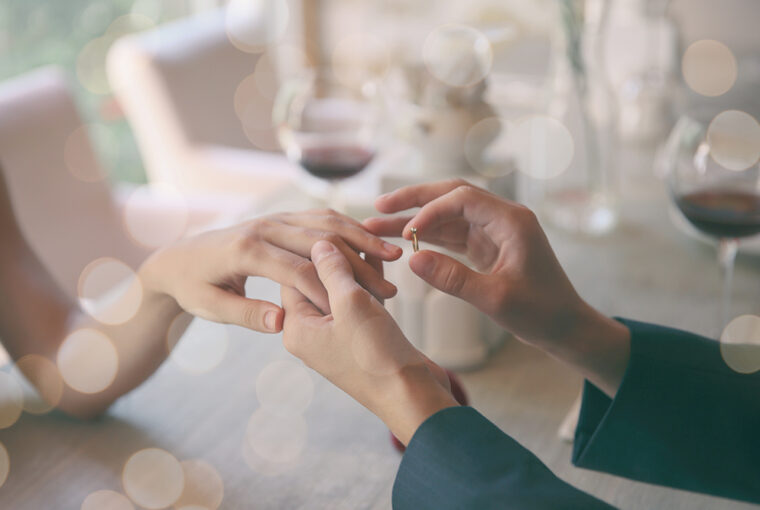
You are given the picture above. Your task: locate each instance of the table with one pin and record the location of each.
(646, 270)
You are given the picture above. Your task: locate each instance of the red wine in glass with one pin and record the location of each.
(722, 213)
(334, 162)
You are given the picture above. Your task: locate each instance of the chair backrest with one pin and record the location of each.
(177, 84)
(45, 153)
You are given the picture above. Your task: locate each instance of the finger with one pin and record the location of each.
(416, 196)
(376, 264)
(367, 276)
(452, 277)
(301, 325)
(388, 227)
(300, 240)
(350, 230)
(470, 204)
(337, 276)
(253, 314)
(451, 235)
(287, 268)
(296, 305)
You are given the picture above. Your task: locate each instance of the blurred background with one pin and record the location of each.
(629, 126)
(176, 116)
(648, 35)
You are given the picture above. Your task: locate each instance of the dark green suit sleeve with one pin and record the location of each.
(681, 418)
(459, 459)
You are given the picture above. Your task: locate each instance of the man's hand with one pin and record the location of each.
(518, 282)
(360, 349)
(206, 274)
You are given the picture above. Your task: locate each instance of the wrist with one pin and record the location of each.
(155, 292)
(414, 395)
(599, 347)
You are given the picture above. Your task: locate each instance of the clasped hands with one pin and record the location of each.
(332, 317)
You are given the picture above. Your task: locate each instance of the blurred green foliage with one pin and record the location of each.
(36, 33)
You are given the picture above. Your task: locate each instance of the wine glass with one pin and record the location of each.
(713, 178)
(329, 128)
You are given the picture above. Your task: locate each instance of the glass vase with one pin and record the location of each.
(583, 197)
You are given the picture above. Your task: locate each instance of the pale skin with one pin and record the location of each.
(203, 275)
(518, 282)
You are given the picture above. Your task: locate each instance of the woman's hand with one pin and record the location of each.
(206, 274)
(360, 349)
(518, 282)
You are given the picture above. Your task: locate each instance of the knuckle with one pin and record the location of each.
(453, 280)
(526, 219)
(251, 316)
(464, 191)
(458, 182)
(332, 264)
(250, 238)
(331, 237)
(303, 269)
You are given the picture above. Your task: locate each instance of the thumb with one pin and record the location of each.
(334, 272)
(451, 276)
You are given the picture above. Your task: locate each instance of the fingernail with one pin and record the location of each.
(270, 320)
(391, 248)
(423, 263)
(321, 249)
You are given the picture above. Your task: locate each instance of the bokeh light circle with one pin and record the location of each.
(200, 348)
(153, 478)
(106, 500)
(284, 387)
(543, 146)
(129, 23)
(140, 215)
(740, 344)
(251, 25)
(457, 55)
(5, 358)
(272, 68)
(41, 383)
(734, 140)
(88, 361)
(148, 8)
(276, 438)
(709, 68)
(80, 158)
(11, 400)
(110, 291)
(91, 65)
(253, 107)
(203, 488)
(5, 464)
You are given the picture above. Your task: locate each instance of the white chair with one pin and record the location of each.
(45, 154)
(176, 85)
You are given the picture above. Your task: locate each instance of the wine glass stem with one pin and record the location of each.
(727, 249)
(335, 198)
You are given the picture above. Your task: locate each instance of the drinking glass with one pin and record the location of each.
(329, 128)
(714, 179)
